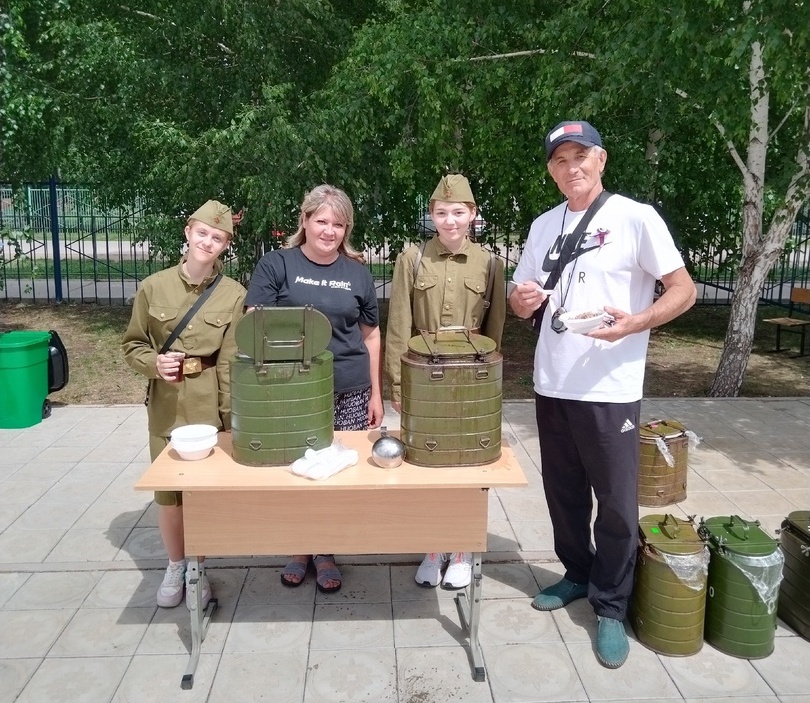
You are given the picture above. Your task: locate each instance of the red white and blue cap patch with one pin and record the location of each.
(579, 132)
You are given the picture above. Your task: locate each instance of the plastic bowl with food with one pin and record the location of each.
(583, 321)
(193, 442)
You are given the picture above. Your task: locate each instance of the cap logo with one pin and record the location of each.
(448, 190)
(567, 129)
(217, 219)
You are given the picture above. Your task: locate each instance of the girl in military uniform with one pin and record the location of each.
(190, 383)
(443, 283)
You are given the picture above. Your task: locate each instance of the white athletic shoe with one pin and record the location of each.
(170, 592)
(429, 573)
(459, 571)
(206, 592)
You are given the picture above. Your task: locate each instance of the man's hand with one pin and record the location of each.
(526, 298)
(621, 325)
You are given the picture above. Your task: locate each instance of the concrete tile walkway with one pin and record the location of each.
(81, 558)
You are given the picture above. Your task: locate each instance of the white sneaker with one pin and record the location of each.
(170, 592)
(206, 592)
(459, 571)
(429, 572)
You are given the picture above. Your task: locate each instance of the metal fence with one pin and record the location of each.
(64, 243)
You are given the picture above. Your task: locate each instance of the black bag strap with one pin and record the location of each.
(572, 242)
(191, 312)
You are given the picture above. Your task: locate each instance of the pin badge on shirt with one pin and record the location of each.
(601, 234)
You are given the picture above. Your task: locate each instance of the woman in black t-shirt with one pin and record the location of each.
(319, 267)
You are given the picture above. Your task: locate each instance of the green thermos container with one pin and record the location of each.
(745, 570)
(451, 399)
(282, 386)
(669, 596)
(794, 592)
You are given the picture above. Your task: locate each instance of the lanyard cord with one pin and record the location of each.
(564, 296)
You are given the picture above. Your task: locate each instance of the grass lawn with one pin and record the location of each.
(682, 359)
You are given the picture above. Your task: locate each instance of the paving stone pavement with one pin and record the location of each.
(81, 559)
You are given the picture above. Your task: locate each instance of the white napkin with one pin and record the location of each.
(323, 463)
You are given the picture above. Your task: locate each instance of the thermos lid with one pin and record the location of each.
(451, 343)
(734, 534)
(667, 429)
(283, 334)
(669, 534)
(798, 521)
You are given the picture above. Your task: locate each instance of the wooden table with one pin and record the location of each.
(230, 509)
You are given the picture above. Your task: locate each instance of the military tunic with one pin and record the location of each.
(161, 302)
(449, 290)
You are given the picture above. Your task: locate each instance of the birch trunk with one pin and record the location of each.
(760, 253)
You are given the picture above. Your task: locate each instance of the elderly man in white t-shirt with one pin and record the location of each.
(588, 386)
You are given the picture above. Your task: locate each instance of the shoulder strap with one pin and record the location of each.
(191, 311)
(418, 260)
(490, 285)
(573, 240)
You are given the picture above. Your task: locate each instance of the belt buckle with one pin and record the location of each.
(192, 365)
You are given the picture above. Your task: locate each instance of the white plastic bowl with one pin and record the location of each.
(193, 442)
(193, 432)
(583, 321)
(195, 455)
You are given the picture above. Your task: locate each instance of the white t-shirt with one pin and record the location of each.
(627, 249)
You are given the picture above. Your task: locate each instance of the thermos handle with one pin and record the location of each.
(742, 522)
(669, 519)
(451, 329)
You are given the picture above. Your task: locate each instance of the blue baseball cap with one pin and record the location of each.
(579, 132)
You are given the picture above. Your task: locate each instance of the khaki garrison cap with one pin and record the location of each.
(215, 214)
(454, 188)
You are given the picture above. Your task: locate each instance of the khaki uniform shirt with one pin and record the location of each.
(449, 290)
(161, 302)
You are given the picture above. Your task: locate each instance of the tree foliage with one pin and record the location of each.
(256, 102)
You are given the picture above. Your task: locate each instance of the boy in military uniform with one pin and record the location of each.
(190, 382)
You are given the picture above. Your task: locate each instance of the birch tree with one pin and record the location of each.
(743, 67)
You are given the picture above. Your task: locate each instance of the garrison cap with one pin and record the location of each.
(215, 214)
(453, 188)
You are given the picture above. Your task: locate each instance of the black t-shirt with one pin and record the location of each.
(343, 291)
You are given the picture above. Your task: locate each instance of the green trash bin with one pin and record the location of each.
(23, 377)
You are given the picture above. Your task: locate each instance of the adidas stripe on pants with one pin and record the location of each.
(583, 447)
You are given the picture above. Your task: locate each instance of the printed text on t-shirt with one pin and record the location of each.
(342, 285)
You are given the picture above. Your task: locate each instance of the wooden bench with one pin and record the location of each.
(793, 325)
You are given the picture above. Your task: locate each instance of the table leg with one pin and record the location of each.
(469, 611)
(199, 619)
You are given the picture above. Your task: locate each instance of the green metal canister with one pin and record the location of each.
(451, 399)
(794, 591)
(669, 596)
(282, 386)
(743, 586)
(663, 463)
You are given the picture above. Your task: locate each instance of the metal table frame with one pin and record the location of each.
(230, 509)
